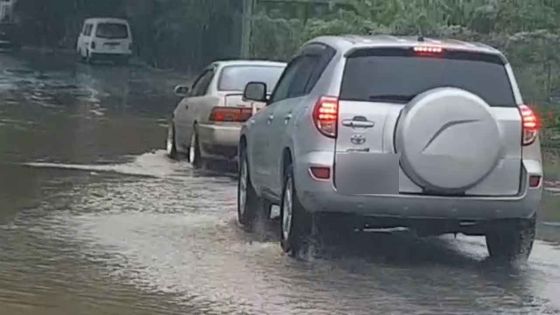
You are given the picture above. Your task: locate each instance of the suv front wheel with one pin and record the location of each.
(512, 240)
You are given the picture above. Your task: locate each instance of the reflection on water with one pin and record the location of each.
(174, 234)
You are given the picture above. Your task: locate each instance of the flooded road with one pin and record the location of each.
(95, 219)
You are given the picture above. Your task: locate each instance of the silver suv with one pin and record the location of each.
(386, 132)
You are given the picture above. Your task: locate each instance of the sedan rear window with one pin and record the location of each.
(398, 76)
(235, 78)
(112, 31)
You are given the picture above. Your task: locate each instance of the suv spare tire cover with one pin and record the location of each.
(448, 140)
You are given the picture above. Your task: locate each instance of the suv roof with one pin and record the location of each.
(350, 42)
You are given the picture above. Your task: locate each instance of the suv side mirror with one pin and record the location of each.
(255, 91)
(181, 90)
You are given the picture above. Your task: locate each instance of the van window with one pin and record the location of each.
(112, 31)
(87, 29)
(398, 76)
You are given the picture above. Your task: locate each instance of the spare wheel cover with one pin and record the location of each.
(448, 139)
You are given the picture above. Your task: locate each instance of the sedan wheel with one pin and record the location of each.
(171, 147)
(194, 151)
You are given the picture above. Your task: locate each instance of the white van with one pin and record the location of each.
(105, 39)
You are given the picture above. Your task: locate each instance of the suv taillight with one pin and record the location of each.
(325, 115)
(531, 125)
(230, 114)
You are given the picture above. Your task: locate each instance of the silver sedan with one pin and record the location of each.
(207, 122)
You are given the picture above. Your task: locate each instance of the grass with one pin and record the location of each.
(551, 202)
(551, 161)
(550, 208)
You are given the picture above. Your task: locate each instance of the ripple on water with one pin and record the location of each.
(173, 232)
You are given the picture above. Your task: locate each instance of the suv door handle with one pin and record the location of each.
(358, 122)
(287, 118)
(270, 119)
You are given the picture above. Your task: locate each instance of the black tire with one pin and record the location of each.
(196, 158)
(512, 240)
(89, 58)
(297, 237)
(171, 146)
(247, 204)
(81, 56)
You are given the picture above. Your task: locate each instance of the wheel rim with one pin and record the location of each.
(287, 211)
(192, 148)
(170, 136)
(243, 180)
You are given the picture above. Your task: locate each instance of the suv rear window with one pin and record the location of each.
(398, 75)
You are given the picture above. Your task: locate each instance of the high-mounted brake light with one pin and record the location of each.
(230, 114)
(428, 50)
(531, 125)
(325, 115)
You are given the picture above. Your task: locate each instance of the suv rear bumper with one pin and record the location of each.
(322, 197)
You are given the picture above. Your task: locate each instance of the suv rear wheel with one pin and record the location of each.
(512, 240)
(295, 225)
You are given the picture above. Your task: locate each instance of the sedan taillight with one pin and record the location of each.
(325, 116)
(230, 114)
(531, 125)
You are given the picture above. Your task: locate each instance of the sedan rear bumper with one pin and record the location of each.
(219, 141)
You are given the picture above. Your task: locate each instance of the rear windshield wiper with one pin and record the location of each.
(391, 97)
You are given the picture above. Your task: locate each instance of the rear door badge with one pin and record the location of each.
(358, 139)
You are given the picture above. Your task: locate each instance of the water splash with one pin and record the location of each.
(152, 164)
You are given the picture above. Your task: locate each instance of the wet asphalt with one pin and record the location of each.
(95, 219)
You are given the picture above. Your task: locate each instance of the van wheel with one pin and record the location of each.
(195, 157)
(296, 222)
(89, 58)
(81, 56)
(512, 240)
